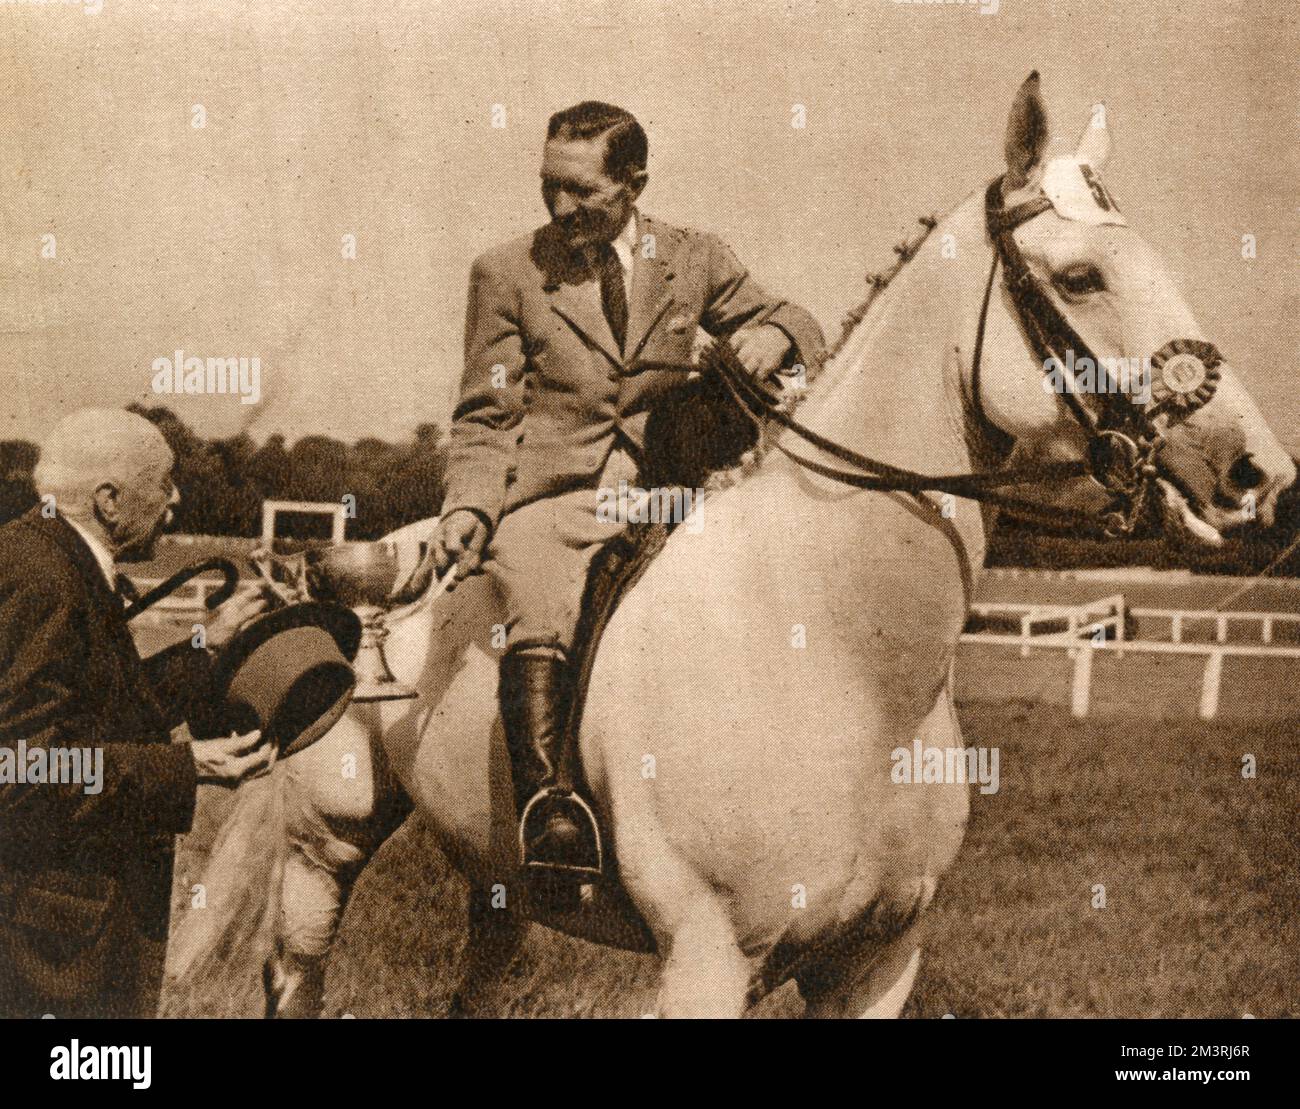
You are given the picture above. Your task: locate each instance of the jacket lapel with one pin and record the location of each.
(572, 291)
(106, 601)
(651, 287)
(109, 608)
(575, 297)
(579, 306)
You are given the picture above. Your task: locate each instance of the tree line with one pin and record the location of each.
(223, 483)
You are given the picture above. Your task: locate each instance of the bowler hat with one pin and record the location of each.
(288, 673)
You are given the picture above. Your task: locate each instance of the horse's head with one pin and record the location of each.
(1085, 289)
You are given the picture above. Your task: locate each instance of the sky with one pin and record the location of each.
(375, 120)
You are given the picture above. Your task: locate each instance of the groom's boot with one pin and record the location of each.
(557, 829)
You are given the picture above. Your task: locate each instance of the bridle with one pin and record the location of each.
(1122, 435)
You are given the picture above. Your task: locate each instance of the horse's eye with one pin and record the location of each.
(1079, 281)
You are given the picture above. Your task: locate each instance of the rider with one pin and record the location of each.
(572, 334)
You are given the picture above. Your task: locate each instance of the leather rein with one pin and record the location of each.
(1122, 437)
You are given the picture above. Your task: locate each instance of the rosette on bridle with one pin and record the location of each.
(1184, 375)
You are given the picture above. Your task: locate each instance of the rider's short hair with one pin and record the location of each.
(626, 146)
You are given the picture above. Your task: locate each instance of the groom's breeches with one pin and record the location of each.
(541, 554)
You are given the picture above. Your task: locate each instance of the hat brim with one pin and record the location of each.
(343, 625)
(322, 693)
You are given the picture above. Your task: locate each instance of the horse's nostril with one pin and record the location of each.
(1244, 474)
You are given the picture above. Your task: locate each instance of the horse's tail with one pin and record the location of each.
(220, 944)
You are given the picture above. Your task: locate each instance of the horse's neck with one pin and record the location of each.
(895, 391)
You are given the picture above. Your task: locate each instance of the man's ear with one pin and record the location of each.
(107, 502)
(637, 182)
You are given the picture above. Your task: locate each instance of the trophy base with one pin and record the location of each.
(368, 692)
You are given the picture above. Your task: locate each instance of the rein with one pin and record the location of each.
(1122, 438)
(880, 476)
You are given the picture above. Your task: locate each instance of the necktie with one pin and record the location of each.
(613, 293)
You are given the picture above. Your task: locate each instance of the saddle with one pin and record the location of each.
(695, 432)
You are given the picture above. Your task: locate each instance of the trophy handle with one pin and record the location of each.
(261, 561)
(400, 596)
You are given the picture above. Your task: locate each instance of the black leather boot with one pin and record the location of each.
(557, 829)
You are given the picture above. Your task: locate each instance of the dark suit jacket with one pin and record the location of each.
(546, 389)
(85, 879)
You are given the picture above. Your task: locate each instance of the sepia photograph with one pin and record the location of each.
(573, 509)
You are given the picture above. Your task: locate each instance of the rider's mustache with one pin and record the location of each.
(586, 225)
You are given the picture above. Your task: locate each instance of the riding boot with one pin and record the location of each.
(557, 828)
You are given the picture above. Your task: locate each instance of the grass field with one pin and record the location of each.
(1199, 867)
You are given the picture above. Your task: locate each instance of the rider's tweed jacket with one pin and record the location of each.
(85, 878)
(546, 391)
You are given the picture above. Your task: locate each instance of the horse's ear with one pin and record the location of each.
(1026, 133)
(1094, 143)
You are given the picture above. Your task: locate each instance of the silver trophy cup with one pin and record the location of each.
(362, 576)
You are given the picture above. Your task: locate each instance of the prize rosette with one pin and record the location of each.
(1184, 374)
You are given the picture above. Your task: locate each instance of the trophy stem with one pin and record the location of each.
(375, 681)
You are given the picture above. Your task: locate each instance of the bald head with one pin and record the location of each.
(111, 468)
(96, 445)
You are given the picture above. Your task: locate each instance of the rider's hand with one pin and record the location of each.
(761, 350)
(247, 603)
(460, 541)
(227, 762)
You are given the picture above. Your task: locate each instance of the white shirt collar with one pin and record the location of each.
(100, 552)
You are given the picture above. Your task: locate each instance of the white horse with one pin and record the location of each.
(750, 694)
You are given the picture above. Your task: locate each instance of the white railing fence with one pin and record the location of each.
(1082, 630)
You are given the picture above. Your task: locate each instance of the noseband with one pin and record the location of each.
(1122, 435)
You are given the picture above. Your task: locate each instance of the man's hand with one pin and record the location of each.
(761, 350)
(460, 540)
(227, 762)
(247, 602)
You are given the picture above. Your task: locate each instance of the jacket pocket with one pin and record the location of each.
(668, 346)
(55, 903)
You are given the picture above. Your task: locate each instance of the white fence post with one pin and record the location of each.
(271, 509)
(1210, 682)
(1081, 693)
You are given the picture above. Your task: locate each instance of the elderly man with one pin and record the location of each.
(85, 866)
(573, 334)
